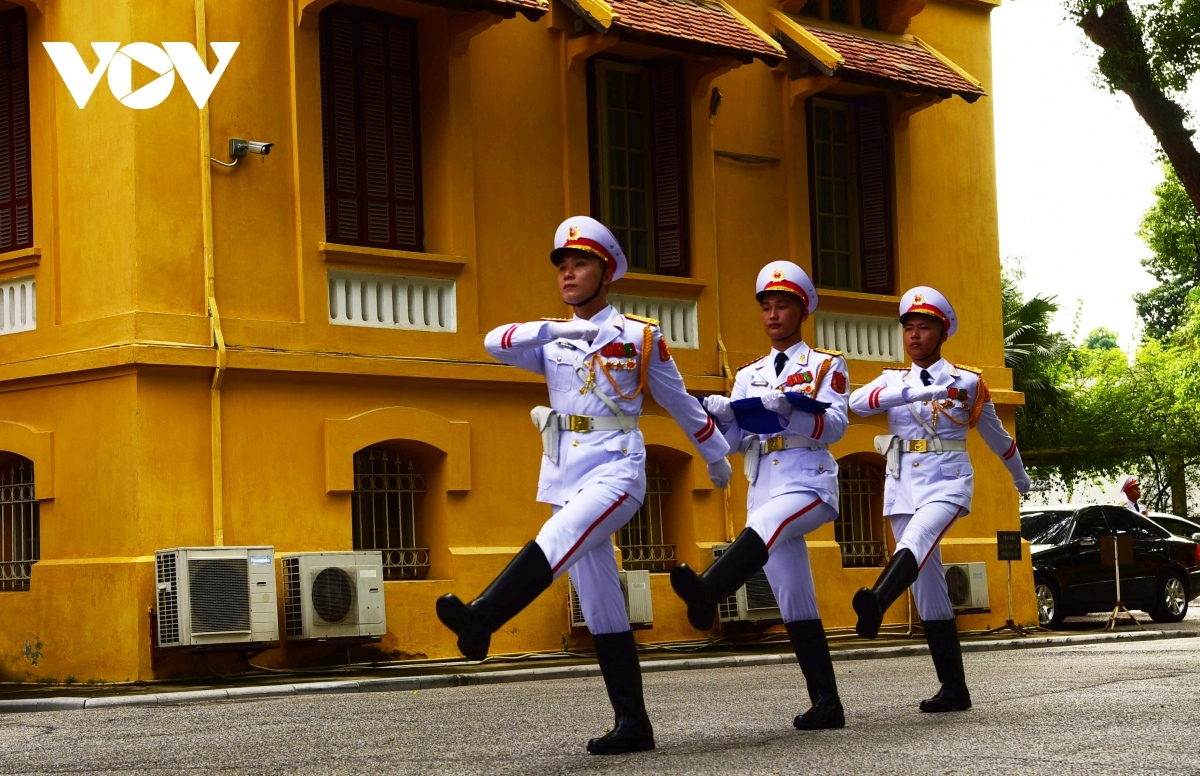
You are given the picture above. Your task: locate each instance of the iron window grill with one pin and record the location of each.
(387, 490)
(20, 541)
(859, 527)
(642, 541)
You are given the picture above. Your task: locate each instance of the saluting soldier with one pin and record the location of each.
(599, 366)
(793, 483)
(930, 482)
(1132, 492)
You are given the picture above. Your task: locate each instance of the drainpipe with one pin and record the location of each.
(214, 316)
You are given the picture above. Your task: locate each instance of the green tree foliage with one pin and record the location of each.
(1101, 338)
(1171, 229)
(1150, 50)
(1032, 350)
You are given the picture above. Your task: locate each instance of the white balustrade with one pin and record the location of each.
(392, 302)
(18, 305)
(861, 337)
(676, 317)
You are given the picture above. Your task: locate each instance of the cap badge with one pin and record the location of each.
(573, 233)
(777, 275)
(919, 299)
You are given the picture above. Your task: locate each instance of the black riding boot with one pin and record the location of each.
(617, 654)
(812, 652)
(521, 581)
(946, 652)
(703, 592)
(871, 603)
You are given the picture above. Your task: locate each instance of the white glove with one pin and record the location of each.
(720, 408)
(925, 393)
(1022, 482)
(776, 402)
(719, 471)
(576, 329)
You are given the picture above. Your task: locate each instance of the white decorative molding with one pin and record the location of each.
(18, 305)
(861, 337)
(391, 301)
(676, 317)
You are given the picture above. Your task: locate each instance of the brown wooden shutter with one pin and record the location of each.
(668, 117)
(16, 197)
(875, 195)
(372, 129)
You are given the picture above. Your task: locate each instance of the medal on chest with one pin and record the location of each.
(619, 355)
(801, 382)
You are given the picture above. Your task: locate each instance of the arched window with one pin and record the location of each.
(385, 508)
(20, 541)
(642, 541)
(859, 528)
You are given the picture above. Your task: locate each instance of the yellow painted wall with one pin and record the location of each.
(112, 390)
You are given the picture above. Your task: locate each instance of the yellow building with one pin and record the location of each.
(194, 354)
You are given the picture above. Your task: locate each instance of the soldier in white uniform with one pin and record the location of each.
(1132, 492)
(930, 482)
(598, 366)
(793, 483)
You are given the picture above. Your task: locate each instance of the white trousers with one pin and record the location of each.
(921, 534)
(782, 523)
(578, 538)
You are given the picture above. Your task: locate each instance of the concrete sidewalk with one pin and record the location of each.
(650, 664)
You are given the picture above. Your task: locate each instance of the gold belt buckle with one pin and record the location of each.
(581, 423)
(775, 444)
(918, 446)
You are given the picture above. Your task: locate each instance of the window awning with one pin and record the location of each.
(706, 27)
(875, 59)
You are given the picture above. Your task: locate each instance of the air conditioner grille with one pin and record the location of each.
(333, 595)
(168, 599)
(220, 595)
(959, 585)
(758, 592)
(293, 615)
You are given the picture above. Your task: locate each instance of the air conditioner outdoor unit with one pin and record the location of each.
(636, 586)
(968, 585)
(753, 601)
(333, 595)
(216, 595)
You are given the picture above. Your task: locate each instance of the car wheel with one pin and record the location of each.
(1049, 606)
(1172, 602)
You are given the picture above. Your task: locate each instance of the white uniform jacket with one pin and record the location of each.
(930, 476)
(822, 375)
(1134, 507)
(616, 457)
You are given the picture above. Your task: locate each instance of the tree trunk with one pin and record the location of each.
(1126, 65)
(1179, 504)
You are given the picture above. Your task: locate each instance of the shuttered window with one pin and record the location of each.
(639, 160)
(16, 196)
(371, 125)
(850, 186)
(864, 13)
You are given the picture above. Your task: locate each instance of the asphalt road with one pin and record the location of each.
(1088, 710)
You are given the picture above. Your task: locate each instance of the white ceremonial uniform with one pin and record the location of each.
(926, 492)
(794, 490)
(1130, 504)
(598, 480)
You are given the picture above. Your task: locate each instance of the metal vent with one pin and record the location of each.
(727, 610)
(168, 599)
(758, 592)
(959, 585)
(333, 595)
(220, 595)
(293, 615)
(577, 620)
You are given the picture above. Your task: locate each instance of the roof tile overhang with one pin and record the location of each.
(879, 59)
(705, 27)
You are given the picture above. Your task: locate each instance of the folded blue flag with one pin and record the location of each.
(752, 416)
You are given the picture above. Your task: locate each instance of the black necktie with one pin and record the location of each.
(926, 378)
(780, 360)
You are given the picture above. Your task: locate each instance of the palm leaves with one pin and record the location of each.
(1032, 351)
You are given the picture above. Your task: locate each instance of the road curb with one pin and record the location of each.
(437, 681)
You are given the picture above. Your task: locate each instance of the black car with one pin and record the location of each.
(1070, 580)
(1178, 526)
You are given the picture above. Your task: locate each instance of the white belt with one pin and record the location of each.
(584, 423)
(776, 443)
(932, 446)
